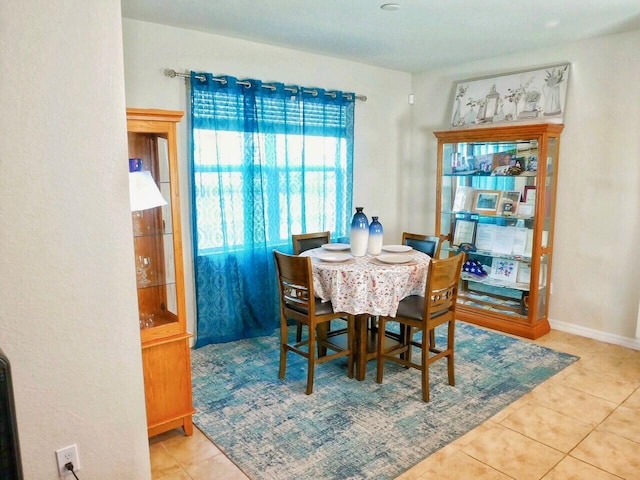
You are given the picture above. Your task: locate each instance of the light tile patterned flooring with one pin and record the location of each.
(583, 423)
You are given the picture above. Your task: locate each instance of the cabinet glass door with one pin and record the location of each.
(153, 238)
(488, 202)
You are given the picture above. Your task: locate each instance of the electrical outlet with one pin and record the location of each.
(66, 455)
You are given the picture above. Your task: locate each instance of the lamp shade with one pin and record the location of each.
(143, 191)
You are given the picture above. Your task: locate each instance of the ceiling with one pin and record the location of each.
(420, 35)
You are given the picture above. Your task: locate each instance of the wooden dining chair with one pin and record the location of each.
(428, 244)
(306, 241)
(298, 303)
(423, 314)
(303, 242)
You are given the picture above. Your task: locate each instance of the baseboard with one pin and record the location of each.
(633, 343)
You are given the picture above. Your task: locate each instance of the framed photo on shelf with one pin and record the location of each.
(464, 231)
(509, 201)
(503, 159)
(529, 195)
(463, 200)
(484, 163)
(525, 210)
(486, 201)
(504, 269)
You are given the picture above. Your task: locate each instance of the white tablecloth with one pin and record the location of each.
(364, 285)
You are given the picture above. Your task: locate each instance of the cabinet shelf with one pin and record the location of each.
(495, 283)
(508, 219)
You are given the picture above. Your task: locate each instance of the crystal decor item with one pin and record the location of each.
(142, 268)
(359, 233)
(375, 237)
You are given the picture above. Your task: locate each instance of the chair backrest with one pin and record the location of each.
(424, 243)
(441, 292)
(295, 283)
(306, 241)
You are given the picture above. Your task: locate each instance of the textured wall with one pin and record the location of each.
(68, 311)
(382, 122)
(596, 279)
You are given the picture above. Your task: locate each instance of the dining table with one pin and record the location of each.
(367, 286)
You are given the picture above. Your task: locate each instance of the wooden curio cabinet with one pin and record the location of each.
(496, 194)
(159, 274)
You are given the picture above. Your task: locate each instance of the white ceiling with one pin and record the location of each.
(420, 35)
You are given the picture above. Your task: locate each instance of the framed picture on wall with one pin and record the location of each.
(535, 95)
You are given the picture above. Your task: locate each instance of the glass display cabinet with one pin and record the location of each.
(496, 193)
(157, 243)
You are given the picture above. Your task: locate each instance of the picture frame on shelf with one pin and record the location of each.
(529, 195)
(463, 200)
(509, 201)
(525, 210)
(486, 201)
(504, 269)
(504, 159)
(484, 164)
(464, 231)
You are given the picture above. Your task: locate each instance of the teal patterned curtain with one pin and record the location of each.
(268, 160)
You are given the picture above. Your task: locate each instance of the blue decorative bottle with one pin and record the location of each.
(375, 237)
(359, 233)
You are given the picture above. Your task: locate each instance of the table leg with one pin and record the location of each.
(360, 347)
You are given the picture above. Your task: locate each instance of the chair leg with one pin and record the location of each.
(450, 359)
(425, 370)
(311, 358)
(283, 354)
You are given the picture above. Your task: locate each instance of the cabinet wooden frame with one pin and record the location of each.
(165, 345)
(531, 322)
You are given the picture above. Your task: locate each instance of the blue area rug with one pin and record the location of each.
(348, 429)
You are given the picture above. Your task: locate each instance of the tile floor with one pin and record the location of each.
(583, 423)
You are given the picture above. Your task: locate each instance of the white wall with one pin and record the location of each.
(68, 310)
(596, 274)
(595, 277)
(382, 122)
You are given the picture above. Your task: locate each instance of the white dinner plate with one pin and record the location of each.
(391, 258)
(397, 248)
(336, 247)
(334, 257)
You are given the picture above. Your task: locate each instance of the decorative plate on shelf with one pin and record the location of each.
(393, 259)
(336, 247)
(396, 248)
(334, 257)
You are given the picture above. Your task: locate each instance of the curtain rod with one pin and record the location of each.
(169, 72)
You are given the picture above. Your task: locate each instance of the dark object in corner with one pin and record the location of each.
(10, 464)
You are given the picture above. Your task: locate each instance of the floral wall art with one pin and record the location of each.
(528, 96)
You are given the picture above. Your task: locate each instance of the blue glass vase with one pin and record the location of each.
(359, 233)
(375, 237)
